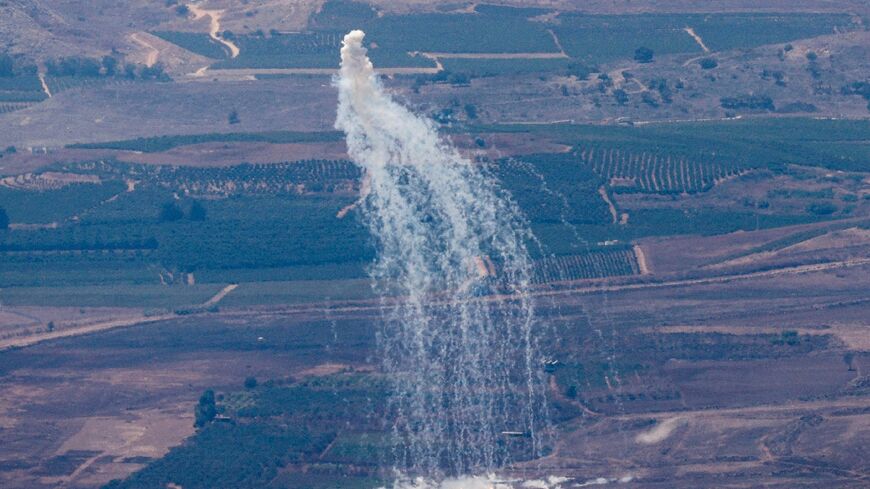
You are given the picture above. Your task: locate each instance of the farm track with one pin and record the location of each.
(96, 327)
(44, 85)
(153, 53)
(375, 305)
(214, 26)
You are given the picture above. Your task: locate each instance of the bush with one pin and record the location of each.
(170, 212)
(205, 410)
(6, 66)
(708, 63)
(821, 208)
(233, 117)
(621, 96)
(748, 102)
(250, 382)
(643, 55)
(197, 211)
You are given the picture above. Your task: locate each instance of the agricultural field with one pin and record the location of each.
(185, 265)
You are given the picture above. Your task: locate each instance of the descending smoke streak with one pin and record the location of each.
(465, 367)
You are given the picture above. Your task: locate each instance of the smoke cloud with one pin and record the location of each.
(465, 371)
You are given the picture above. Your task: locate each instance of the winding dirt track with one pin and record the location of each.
(214, 26)
(153, 53)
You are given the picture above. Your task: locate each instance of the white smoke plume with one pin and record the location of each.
(464, 370)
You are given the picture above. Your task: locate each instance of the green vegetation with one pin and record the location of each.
(499, 67)
(164, 143)
(139, 296)
(743, 31)
(602, 38)
(201, 44)
(50, 205)
(771, 143)
(252, 438)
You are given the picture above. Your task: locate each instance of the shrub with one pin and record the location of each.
(708, 63)
(170, 212)
(197, 211)
(621, 96)
(205, 410)
(643, 55)
(821, 208)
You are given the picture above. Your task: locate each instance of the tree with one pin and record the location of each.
(233, 117)
(7, 66)
(571, 392)
(847, 359)
(205, 410)
(182, 10)
(50, 326)
(4, 220)
(621, 96)
(197, 211)
(643, 55)
(170, 212)
(250, 382)
(471, 111)
(708, 63)
(130, 71)
(110, 64)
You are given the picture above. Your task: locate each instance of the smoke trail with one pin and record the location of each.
(465, 367)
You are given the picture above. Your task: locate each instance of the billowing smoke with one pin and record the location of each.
(460, 344)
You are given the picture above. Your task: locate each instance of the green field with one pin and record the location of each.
(273, 228)
(163, 143)
(201, 44)
(138, 296)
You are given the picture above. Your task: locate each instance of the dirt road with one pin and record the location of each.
(214, 26)
(153, 53)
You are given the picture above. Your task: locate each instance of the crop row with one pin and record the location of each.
(648, 171)
(595, 264)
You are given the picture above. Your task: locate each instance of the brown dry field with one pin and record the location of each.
(790, 419)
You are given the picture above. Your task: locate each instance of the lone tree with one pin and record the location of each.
(205, 410)
(170, 212)
(233, 118)
(643, 55)
(4, 220)
(708, 63)
(847, 359)
(250, 382)
(197, 211)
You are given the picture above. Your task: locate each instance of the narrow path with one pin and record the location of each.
(214, 26)
(153, 53)
(220, 295)
(640, 256)
(81, 330)
(602, 191)
(375, 305)
(697, 38)
(44, 85)
(557, 42)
